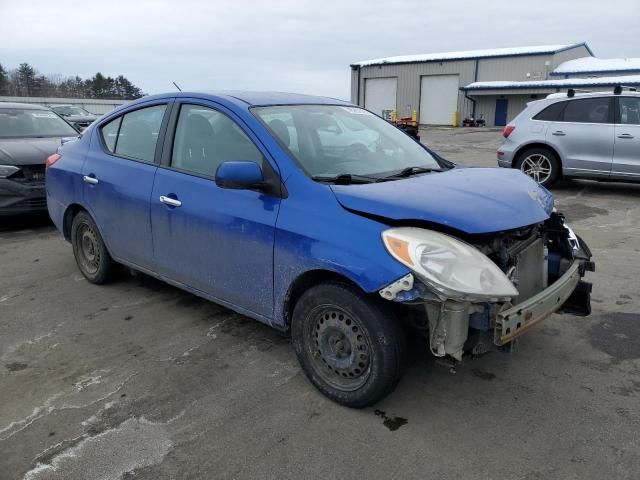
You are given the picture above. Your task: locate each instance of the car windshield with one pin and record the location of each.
(331, 140)
(29, 123)
(70, 110)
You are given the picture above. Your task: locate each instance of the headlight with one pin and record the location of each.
(449, 266)
(7, 170)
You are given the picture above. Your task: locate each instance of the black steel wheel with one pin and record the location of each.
(89, 250)
(350, 346)
(339, 348)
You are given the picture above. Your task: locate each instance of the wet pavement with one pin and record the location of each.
(140, 380)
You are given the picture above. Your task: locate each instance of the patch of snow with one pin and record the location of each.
(596, 65)
(110, 454)
(494, 52)
(562, 83)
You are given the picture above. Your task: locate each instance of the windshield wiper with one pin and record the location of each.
(407, 172)
(344, 179)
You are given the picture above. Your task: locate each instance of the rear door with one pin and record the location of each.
(584, 136)
(626, 149)
(118, 177)
(218, 241)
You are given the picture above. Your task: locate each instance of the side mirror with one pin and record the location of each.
(239, 175)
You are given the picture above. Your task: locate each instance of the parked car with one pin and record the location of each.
(590, 135)
(28, 135)
(75, 115)
(207, 193)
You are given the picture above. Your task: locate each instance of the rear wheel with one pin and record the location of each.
(541, 164)
(89, 249)
(350, 346)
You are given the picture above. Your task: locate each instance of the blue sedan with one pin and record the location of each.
(322, 220)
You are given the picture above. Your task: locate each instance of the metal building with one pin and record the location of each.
(433, 84)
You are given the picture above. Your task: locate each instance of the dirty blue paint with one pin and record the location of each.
(244, 248)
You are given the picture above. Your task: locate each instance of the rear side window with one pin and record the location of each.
(629, 110)
(205, 138)
(587, 110)
(552, 113)
(135, 134)
(110, 134)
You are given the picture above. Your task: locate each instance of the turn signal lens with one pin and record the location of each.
(51, 159)
(399, 248)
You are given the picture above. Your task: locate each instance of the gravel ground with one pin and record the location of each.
(140, 380)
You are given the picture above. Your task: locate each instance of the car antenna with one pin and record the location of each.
(176, 85)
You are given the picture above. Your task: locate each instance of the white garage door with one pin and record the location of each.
(380, 94)
(438, 99)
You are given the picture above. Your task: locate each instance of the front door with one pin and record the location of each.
(502, 105)
(584, 136)
(626, 147)
(218, 241)
(118, 175)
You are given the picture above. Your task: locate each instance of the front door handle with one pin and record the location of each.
(172, 202)
(559, 133)
(90, 179)
(625, 135)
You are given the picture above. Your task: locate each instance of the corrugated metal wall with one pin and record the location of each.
(571, 54)
(505, 68)
(408, 75)
(96, 106)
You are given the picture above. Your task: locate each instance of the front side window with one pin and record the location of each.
(330, 140)
(205, 138)
(135, 134)
(33, 123)
(630, 110)
(587, 110)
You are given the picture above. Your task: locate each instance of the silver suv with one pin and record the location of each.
(586, 135)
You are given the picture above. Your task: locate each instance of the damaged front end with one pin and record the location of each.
(479, 293)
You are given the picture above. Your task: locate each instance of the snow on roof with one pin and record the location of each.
(495, 52)
(562, 83)
(597, 65)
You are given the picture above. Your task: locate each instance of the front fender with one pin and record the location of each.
(315, 233)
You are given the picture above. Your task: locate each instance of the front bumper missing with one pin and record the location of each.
(520, 318)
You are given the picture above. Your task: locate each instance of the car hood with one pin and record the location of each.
(472, 200)
(27, 151)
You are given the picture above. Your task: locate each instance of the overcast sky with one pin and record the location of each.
(290, 45)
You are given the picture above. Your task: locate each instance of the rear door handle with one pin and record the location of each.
(90, 179)
(625, 135)
(559, 133)
(172, 202)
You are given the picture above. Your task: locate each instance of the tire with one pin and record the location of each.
(534, 162)
(89, 250)
(351, 347)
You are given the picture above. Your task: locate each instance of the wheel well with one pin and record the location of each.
(69, 214)
(516, 157)
(303, 283)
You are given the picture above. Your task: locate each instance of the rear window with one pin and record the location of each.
(552, 113)
(32, 123)
(134, 134)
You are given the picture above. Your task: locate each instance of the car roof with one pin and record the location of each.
(25, 106)
(625, 93)
(254, 99)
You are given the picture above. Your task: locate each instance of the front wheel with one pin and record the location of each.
(89, 249)
(541, 164)
(349, 346)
